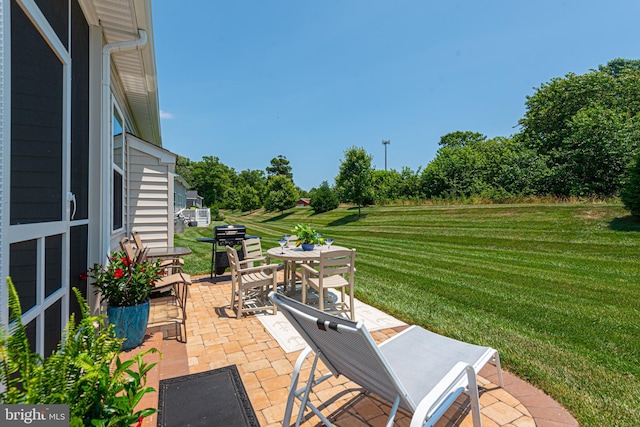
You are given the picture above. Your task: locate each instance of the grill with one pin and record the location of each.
(226, 235)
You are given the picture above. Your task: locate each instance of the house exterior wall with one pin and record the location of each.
(49, 252)
(150, 197)
(179, 194)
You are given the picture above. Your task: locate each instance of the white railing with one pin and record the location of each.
(200, 216)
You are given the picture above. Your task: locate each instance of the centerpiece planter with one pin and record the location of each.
(130, 323)
(307, 236)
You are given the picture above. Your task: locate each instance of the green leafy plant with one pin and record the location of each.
(125, 282)
(85, 372)
(306, 234)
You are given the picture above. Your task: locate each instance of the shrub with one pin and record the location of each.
(630, 194)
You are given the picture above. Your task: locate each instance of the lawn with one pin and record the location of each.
(555, 288)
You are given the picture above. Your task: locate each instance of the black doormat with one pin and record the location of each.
(212, 398)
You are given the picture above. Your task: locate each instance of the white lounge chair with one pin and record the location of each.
(417, 370)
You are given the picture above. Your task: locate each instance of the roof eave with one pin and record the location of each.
(136, 69)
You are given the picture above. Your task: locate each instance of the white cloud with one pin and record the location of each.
(165, 115)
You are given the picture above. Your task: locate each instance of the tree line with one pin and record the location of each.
(579, 137)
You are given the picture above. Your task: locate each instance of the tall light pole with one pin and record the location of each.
(385, 143)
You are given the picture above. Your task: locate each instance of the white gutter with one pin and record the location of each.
(106, 135)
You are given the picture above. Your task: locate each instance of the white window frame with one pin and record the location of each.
(115, 109)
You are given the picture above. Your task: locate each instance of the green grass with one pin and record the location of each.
(554, 288)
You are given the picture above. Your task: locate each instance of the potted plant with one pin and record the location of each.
(307, 236)
(85, 372)
(125, 285)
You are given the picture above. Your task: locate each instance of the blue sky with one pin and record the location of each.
(247, 81)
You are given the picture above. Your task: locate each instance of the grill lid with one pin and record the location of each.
(229, 234)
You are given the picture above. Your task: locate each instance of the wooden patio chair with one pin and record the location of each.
(250, 285)
(176, 283)
(173, 265)
(253, 254)
(335, 270)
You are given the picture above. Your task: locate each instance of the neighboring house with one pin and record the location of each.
(179, 193)
(194, 199)
(302, 202)
(80, 138)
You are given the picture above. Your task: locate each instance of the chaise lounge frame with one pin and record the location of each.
(416, 370)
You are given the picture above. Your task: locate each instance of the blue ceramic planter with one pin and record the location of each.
(130, 323)
(307, 246)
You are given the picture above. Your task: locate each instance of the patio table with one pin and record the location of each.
(293, 255)
(164, 252)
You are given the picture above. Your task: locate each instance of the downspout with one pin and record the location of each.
(107, 113)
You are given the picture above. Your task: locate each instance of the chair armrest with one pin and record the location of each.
(308, 269)
(440, 398)
(248, 260)
(273, 267)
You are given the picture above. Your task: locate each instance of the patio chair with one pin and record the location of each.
(336, 269)
(416, 370)
(174, 265)
(291, 267)
(177, 283)
(248, 284)
(252, 248)
(253, 254)
(131, 253)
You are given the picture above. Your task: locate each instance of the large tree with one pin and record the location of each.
(184, 168)
(281, 194)
(248, 198)
(461, 138)
(323, 199)
(254, 179)
(355, 178)
(280, 166)
(213, 180)
(587, 126)
(469, 164)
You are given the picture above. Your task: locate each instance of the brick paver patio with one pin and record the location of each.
(215, 338)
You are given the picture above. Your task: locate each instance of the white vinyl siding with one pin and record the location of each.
(150, 192)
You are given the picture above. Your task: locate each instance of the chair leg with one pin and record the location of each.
(233, 294)
(274, 288)
(351, 304)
